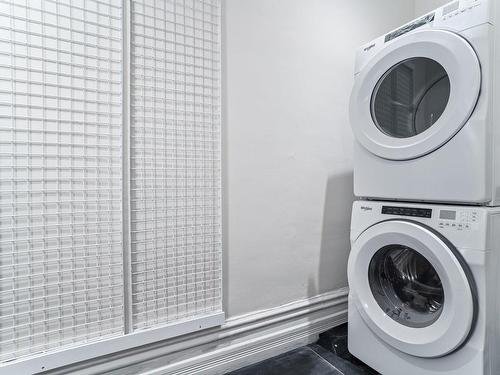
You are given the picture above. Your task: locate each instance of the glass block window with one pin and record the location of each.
(60, 174)
(109, 223)
(175, 160)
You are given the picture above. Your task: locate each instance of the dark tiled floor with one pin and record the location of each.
(329, 356)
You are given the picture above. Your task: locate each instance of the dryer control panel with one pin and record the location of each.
(458, 8)
(456, 16)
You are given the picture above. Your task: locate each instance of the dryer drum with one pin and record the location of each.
(410, 97)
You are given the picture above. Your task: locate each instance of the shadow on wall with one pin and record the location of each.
(335, 243)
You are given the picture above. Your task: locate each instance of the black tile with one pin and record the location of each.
(301, 361)
(332, 345)
(347, 365)
(335, 340)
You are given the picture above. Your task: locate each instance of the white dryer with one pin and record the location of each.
(425, 108)
(424, 288)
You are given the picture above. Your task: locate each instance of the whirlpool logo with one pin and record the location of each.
(366, 208)
(369, 47)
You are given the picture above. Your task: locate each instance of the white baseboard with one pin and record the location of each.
(241, 341)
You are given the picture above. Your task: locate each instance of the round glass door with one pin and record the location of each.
(410, 97)
(406, 286)
(414, 94)
(412, 288)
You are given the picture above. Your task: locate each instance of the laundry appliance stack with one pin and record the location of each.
(425, 233)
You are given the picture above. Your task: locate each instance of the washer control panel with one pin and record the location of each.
(458, 219)
(454, 219)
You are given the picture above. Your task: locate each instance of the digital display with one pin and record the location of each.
(412, 26)
(407, 211)
(447, 215)
(451, 8)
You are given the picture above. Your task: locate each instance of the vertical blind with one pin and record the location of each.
(62, 248)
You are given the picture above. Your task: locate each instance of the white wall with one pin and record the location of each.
(425, 6)
(288, 74)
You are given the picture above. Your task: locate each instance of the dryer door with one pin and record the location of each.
(415, 95)
(412, 288)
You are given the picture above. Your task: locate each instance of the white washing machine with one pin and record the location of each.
(424, 288)
(423, 108)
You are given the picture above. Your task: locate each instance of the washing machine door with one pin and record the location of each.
(415, 95)
(412, 288)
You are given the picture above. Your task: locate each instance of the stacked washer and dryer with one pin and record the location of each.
(424, 268)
